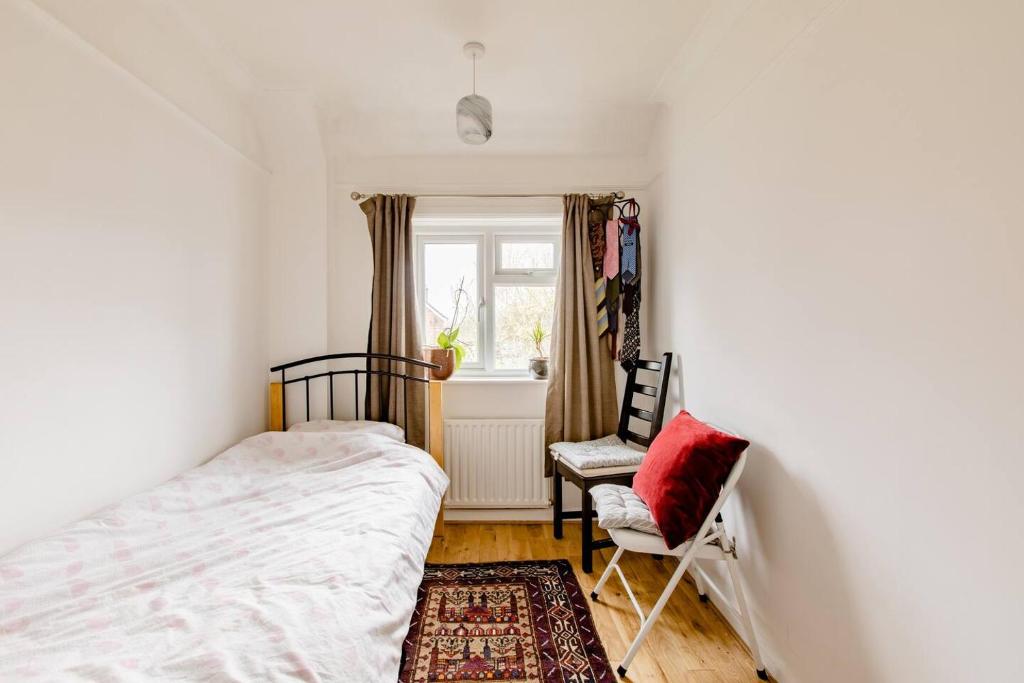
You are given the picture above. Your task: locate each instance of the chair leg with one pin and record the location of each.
(656, 612)
(748, 624)
(588, 531)
(695, 573)
(607, 573)
(557, 507)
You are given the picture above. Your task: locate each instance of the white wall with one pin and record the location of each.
(837, 259)
(297, 226)
(131, 262)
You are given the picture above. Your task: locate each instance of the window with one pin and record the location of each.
(507, 272)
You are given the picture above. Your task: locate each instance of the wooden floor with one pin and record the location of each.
(690, 643)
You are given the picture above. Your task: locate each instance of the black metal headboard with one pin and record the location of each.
(393, 367)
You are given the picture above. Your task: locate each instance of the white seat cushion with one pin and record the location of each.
(619, 508)
(596, 472)
(608, 451)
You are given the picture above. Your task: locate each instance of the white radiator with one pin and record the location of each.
(495, 463)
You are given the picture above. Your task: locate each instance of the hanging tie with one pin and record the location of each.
(630, 270)
(596, 229)
(630, 247)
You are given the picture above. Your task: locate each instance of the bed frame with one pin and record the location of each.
(376, 366)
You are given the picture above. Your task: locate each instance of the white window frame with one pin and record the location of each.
(527, 274)
(489, 235)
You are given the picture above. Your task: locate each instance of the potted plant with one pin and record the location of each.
(539, 363)
(450, 350)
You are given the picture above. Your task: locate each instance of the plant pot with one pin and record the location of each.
(539, 368)
(443, 357)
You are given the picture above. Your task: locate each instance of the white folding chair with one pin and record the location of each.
(711, 542)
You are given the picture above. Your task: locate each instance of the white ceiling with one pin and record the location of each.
(564, 76)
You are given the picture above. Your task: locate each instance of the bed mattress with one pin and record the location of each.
(291, 556)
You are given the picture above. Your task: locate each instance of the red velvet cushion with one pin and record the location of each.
(683, 473)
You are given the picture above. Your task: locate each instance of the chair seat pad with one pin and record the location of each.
(619, 508)
(608, 451)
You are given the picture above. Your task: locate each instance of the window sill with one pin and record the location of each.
(493, 379)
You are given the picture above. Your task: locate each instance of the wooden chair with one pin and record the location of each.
(587, 477)
(711, 542)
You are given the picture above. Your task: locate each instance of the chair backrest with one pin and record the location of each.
(658, 390)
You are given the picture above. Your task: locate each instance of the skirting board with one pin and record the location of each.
(493, 515)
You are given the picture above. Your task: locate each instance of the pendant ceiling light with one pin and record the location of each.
(473, 112)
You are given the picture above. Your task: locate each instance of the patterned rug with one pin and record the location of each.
(503, 621)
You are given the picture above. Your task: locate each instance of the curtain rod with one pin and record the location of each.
(618, 194)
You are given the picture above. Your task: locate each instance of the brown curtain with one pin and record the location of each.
(394, 322)
(581, 403)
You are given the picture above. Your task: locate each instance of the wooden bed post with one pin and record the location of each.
(436, 433)
(275, 406)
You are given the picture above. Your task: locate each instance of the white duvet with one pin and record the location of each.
(291, 556)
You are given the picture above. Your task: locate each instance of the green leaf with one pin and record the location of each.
(454, 335)
(460, 351)
(443, 341)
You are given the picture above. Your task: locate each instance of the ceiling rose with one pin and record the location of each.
(473, 113)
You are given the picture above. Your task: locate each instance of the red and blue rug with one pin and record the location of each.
(503, 621)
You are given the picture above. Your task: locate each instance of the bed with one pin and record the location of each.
(290, 556)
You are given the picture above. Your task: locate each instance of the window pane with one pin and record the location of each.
(444, 265)
(516, 310)
(527, 255)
